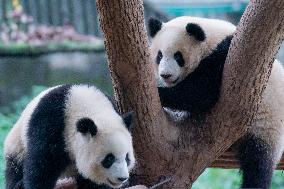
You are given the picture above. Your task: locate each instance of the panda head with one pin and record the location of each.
(103, 149)
(178, 46)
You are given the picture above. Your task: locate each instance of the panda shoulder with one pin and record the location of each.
(15, 141)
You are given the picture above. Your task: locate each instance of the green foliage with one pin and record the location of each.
(278, 180)
(8, 117)
(5, 125)
(231, 179)
(12, 112)
(218, 178)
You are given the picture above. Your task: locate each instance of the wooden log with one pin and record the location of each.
(228, 160)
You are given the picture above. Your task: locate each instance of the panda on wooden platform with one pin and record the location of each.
(69, 130)
(189, 55)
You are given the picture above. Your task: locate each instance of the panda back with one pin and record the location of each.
(273, 95)
(15, 142)
(269, 120)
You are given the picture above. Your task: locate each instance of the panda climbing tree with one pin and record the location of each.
(183, 151)
(188, 55)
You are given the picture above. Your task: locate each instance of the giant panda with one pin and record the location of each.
(69, 131)
(188, 55)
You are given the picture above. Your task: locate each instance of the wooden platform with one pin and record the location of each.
(228, 161)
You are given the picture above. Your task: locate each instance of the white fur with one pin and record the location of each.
(87, 152)
(269, 121)
(173, 37)
(176, 115)
(15, 142)
(169, 66)
(113, 137)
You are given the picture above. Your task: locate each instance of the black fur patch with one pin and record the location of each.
(108, 160)
(128, 120)
(46, 157)
(13, 173)
(200, 90)
(179, 58)
(155, 26)
(196, 31)
(159, 57)
(86, 125)
(127, 159)
(20, 185)
(256, 159)
(83, 183)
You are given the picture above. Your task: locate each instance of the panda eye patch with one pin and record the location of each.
(108, 161)
(159, 57)
(127, 159)
(86, 125)
(179, 58)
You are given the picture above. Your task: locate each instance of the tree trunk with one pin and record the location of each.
(183, 151)
(126, 43)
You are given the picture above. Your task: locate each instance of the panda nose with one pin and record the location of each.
(122, 179)
(166, 76)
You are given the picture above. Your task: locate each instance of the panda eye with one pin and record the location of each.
(86, 125)
(179, 58)
(108, 161)
(127, 159)
(159, 57)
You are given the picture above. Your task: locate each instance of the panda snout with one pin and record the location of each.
(122, 179)
(166, 76)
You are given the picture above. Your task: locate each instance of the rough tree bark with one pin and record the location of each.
(184, 151)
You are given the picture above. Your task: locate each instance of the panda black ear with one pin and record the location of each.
(86, 125)
(196, 31)
(128, 120)
(154, 25)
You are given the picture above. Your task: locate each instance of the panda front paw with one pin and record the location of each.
(176, 115)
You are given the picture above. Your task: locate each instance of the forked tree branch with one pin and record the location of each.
(184, 151)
